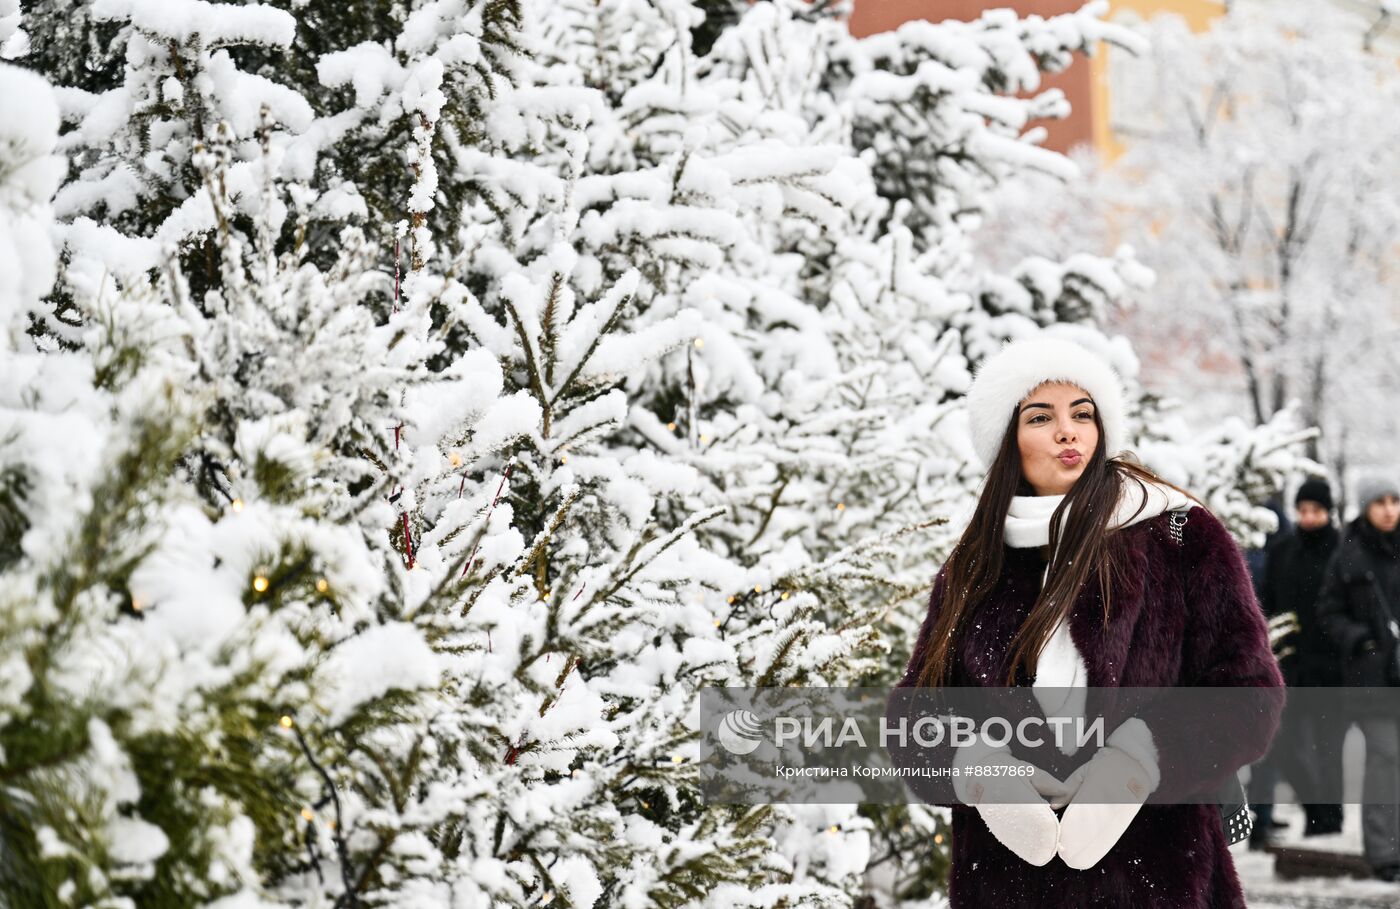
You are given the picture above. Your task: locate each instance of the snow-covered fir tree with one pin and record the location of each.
(213, 631)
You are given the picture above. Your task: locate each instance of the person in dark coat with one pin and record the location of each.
(1296, 563)
(1359, 609)
(1311, 745)
(1264, 775)
(1070, 578)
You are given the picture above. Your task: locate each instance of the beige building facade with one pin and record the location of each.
(1086, 83)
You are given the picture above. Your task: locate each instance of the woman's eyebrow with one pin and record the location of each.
(1048, 407)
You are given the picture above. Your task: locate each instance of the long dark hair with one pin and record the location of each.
(975, 565)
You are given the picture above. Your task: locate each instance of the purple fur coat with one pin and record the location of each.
(1169, 626)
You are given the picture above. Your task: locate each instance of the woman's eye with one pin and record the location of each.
(1040, 418)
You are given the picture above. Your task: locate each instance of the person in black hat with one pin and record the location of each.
(1308, 750)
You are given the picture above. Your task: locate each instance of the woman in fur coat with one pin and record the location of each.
(1066, 517)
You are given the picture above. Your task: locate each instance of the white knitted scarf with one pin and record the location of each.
(1061, 676)
(1028, 518)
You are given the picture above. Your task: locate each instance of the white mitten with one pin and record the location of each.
(1105, 794)
(1012, 804)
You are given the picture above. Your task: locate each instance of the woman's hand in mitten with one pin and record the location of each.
(1011, 801)
(1106, 793)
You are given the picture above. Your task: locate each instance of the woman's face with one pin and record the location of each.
(1056, 434)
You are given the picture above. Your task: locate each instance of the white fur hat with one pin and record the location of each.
(1005, 378)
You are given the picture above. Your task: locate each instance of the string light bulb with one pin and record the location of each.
(677, 759)
(260, 583)
(322, 585)
(671, 426)
(286, 722)
(834, 828)
(136, 604)
(563, 459)
(308, 815)
(937, 838)
(454, 459)
(236, 505)
(699, 342)
(730, 600)
(784, 596)
(840, 506)
(704, 440)
(758, 588)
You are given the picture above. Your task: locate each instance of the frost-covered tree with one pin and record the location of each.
(352, 495)
(85, 444)
(142, 86)
(214, 637)
(1258, 183)
(203, 614)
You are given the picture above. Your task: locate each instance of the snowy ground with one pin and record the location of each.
(1265, 891)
